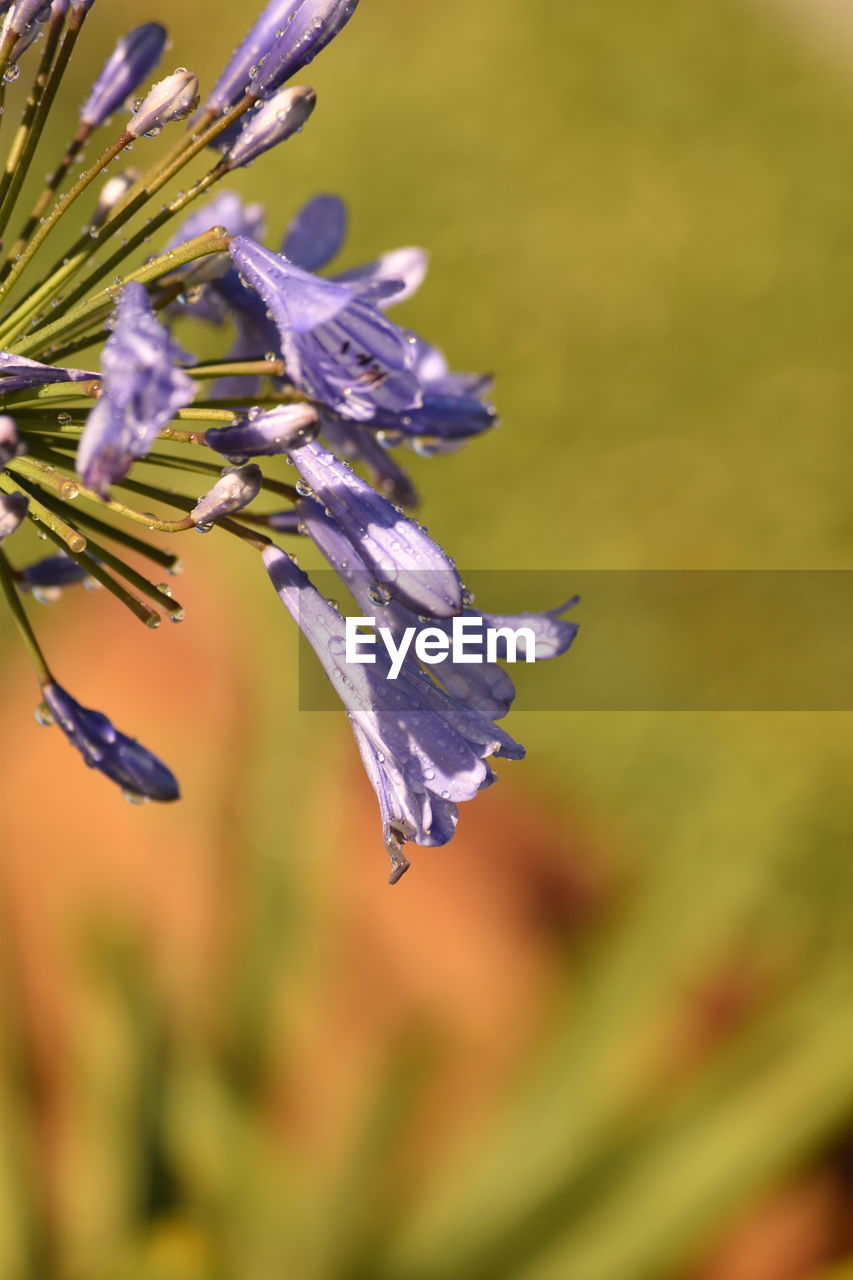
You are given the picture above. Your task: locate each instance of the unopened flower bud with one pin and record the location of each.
(13, 508)
(10, 445)
(266, 434)
(235, 490)
(272, 122)
(307, 31)
(231, 84)
(23, 14)
(113, 190)
(170, 99)
(130, 63)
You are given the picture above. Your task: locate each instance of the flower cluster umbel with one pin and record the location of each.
(317, 375)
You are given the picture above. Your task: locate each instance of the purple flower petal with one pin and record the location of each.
(405, 268)
(397, 551)
(423, 752)
(142, 390)
(316, 234)
(339, 349)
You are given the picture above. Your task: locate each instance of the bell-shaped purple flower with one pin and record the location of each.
(401, 556)
(424, 752)
(483, 686)
(128, 66)
(337, 347)
(271, 122)
(13, 508)
(265, 434)
(121, 759)
(307, 30)
(142, 390)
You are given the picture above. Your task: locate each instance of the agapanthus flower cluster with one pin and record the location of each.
(292, 434)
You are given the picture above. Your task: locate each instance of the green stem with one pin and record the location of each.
(60, 209)
(71, 538)
(97, 308)
(139, 238)
(7, 585)
(78, 254)
(36, 112)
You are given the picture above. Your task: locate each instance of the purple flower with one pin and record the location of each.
(337, 347)
(308, 28)
(265, 434)
(103, 747)
(13, 508)
(423, 751)
(142, 391)
(270, 123)
(130, 63)
(316, 235)
(399, 554)
(452, 409)
(483, 686)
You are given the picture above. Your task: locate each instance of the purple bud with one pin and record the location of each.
(121, 759)
(170, 99)
(23, 14)
(10, 445)
(113, 190)
(307, 31)
(231, 85)
(235, 490)
(54, 571)
(13, 508)
(132, 61)
(266, 434)
(272, 122)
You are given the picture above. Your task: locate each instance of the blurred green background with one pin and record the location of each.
(606, 1034)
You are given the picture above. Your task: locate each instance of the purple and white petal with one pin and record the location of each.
(143, 388)
(316, 234)
(398, 552)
